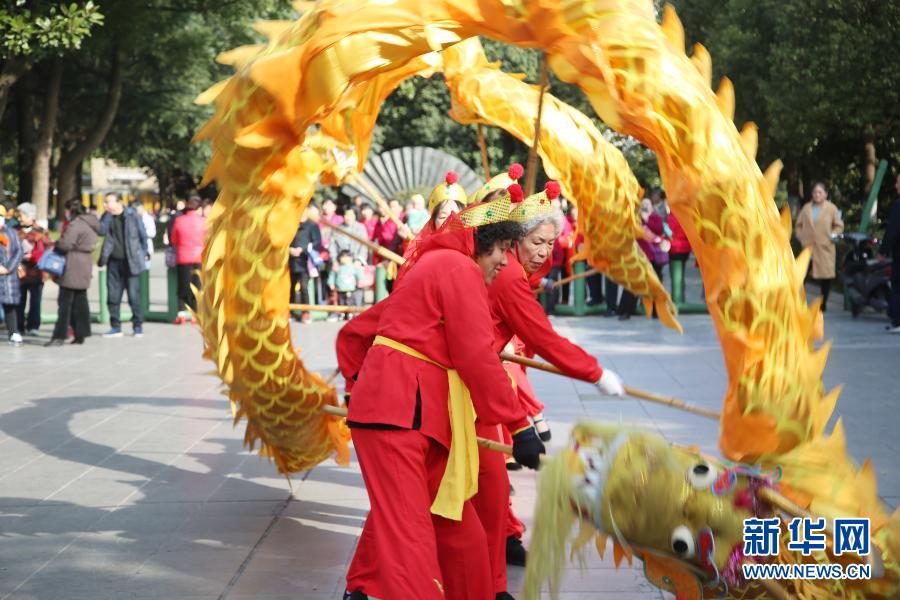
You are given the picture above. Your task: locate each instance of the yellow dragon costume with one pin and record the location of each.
(334, 66)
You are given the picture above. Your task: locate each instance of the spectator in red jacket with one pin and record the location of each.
(187, 238)
(369, 219)
(35, 241)
(678, 253)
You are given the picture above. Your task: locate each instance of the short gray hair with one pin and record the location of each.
(27, 208)
(555, 217)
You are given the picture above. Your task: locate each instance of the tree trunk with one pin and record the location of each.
(25, 125)
(43, 144)
(870, 160)
(71, 160)
(13, 68)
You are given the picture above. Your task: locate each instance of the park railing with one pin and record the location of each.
(578, 295)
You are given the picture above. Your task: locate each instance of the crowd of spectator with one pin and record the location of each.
(30, 258)
(326, 266)
(338, 268)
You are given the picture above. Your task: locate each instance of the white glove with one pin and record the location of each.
(610, 384)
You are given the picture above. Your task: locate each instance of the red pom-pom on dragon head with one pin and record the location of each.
(515, 171)
(450, 178)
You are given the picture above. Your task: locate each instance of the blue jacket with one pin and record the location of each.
(135, 241)
(10, 257)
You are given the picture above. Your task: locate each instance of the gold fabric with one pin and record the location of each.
(339, 60)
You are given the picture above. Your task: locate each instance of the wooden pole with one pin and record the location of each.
(649, 396)
(328, 308)
(333, 376)
(382, 205)
(484, 155)
(566, 280)
(531, 171)
(381, 251)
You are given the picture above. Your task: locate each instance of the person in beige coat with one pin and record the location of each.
(817, 222)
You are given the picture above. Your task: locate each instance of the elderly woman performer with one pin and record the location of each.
(422, 539)
(517, 312)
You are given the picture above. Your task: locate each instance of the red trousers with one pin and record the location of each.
(492, 503)
(404, 551)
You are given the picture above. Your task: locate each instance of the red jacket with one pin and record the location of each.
(187, 237)
(516, 311)
(371, 224)
(440, 309)
(680, 243)
(562, 247)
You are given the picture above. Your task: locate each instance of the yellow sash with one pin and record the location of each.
(460, 480)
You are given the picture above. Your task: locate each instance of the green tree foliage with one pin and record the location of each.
(161, 55)
(173, 60)
(40, 28)
(818, 78)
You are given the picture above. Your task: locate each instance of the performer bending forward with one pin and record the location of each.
(417, 450)
(516, 311)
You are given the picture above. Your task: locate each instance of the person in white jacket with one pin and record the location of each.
(149, 226)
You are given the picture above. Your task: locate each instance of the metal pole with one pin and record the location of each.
(873, 196)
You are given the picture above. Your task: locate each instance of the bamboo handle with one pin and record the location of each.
(382, 204)
(328, 308)
(531, 164)
(392, 256)
(568, 279)
(672, 402)
(649, 396)
(484, 155)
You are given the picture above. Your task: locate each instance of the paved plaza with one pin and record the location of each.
(121, 475)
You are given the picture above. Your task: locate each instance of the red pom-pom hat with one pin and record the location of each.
(516, 194)
(552, 189)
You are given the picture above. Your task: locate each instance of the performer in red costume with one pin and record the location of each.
(445, 199)
(432, 340)
(516, 311)
(448, 198)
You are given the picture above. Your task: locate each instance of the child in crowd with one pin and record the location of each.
(346, 279)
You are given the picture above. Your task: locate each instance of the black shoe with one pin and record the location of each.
(355, 595)
(515, 552)
(609, 313)
(513, 466)
(624, 317)
(78, 340)
(55, 342)
(504, 596)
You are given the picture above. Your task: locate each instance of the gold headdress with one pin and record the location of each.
(534, 205)
(498, 182)
(485, 213)
(449, 190)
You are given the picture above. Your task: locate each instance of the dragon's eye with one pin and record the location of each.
(702, 475)
(683, 542)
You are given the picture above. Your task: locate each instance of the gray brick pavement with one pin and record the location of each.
(122, 477)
